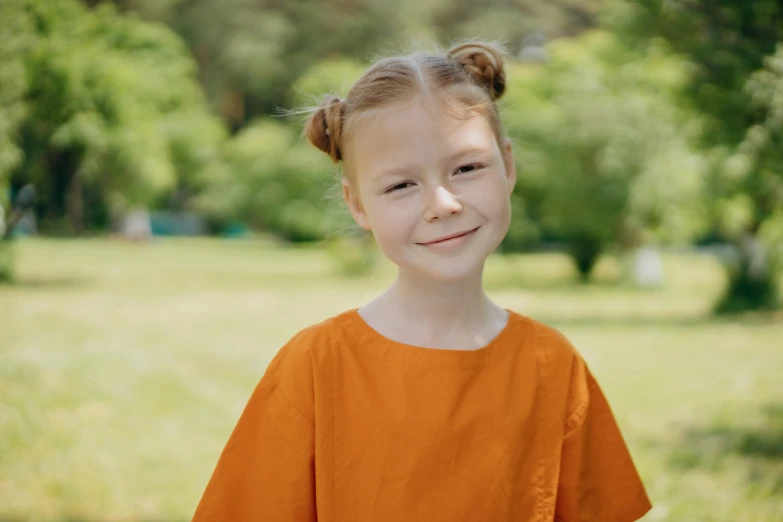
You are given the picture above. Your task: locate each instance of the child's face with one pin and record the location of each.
(422, 174)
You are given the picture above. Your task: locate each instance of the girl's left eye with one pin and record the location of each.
(468, 168)
(398, 187)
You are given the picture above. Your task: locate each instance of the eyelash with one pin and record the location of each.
(394, 188)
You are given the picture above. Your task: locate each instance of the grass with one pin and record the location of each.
(124, 366)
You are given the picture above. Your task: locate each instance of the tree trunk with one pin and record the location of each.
(752, 284)
(6, 261)
(75, 205)
(585, 253)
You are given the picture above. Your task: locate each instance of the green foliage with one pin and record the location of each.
(512, 21)
(15, 41)
(735, 49)
(523, 232)
(113, 107)
(252, 51)
(329, 77)
(725, 42)
(258, 49)
(7, 266)
(276, 180)
(601, 157)
(353, 255)
(281, 183)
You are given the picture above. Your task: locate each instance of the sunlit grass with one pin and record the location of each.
(124, 366)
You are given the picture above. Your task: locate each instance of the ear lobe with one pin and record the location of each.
(511, 168)
(351, 199)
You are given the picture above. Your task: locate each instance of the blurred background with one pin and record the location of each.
(166, 229)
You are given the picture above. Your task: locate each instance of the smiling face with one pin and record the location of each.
(419, 174)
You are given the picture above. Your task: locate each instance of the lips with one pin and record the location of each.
(450, 236)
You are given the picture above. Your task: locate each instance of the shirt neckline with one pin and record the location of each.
(363, 328)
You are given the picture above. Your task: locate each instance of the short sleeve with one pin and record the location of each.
(598, 479)
(267, 469)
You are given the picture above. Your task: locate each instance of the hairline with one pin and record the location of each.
(459, 110)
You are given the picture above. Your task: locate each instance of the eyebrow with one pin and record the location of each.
(404, 171)
(466, 152)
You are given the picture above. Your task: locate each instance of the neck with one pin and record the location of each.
(440, 307)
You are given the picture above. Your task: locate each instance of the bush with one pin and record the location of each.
(354, 255)
(281, 185)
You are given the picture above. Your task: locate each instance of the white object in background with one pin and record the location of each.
(137, 225)
(648, 267)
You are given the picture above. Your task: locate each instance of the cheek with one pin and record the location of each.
(494, 200)
(393, 219)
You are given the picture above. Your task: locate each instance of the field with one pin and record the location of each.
(124, 366)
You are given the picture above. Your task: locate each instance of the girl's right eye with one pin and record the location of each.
(398, 187)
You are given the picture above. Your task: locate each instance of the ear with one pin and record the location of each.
(511, 167)
(351, 198)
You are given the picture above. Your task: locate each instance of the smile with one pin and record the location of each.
(451, 240)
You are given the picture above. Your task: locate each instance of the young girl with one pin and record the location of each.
(431, 402)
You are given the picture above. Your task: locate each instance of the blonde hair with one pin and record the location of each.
(469, 74)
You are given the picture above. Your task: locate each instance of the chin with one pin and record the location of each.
(448, 272)
(439, 269)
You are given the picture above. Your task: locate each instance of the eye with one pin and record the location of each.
(398, 187)
(468, 168)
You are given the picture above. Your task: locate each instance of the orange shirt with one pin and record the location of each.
(347, 425)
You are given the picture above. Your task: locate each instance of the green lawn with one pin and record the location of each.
(124, 366)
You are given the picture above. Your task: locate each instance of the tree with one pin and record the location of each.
(280, 183)
(15, 42)
(601, 158)
(249, 52)
(512, 22)
(114, 116)
(734, 77)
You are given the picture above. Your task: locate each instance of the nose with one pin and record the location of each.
(441, 203)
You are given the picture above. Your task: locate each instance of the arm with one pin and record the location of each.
(267, 469)
(598, 479)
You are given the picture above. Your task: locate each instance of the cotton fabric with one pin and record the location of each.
(347, 425)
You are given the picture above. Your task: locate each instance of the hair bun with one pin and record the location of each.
(484, 63)
(324, 127)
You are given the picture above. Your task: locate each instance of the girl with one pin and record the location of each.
(431, 402)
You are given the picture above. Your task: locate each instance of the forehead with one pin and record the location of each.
(415, 131)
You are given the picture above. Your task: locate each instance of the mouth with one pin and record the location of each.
(450, 237)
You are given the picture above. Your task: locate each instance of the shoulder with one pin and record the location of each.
(309, 344)
(293, 369)
(552, 344)
(563, 370)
